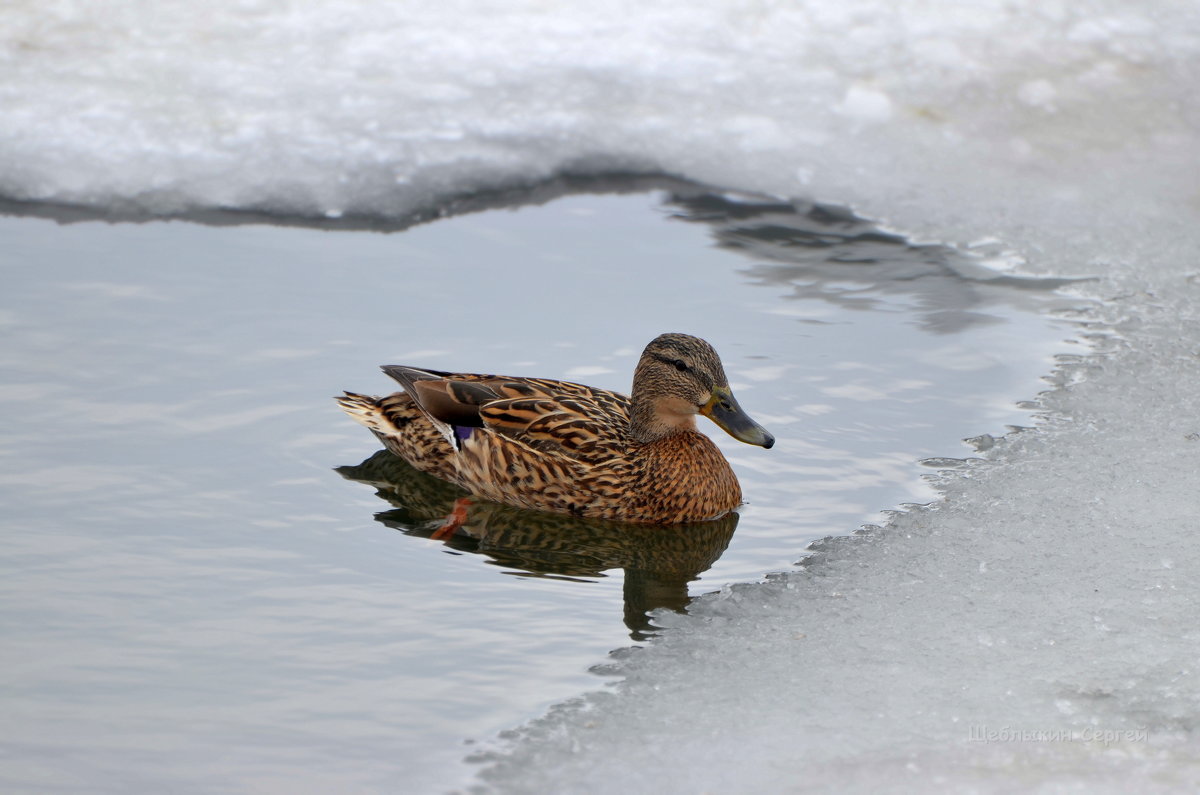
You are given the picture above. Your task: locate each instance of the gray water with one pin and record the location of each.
(201, 595)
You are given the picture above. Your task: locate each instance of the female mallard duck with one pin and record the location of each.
(557, 446)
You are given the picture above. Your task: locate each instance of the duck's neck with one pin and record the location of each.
(654, 416)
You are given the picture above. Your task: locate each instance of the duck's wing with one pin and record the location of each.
(572, 427)
(553, 417)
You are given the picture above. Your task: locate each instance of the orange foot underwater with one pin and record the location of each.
(456, 519)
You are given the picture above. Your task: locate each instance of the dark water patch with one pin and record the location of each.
(504, 197)
(827, 253)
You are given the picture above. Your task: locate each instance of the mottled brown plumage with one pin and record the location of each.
(559, 446)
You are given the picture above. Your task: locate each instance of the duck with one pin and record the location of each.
(551, 445)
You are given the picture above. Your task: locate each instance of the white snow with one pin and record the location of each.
(933, 115)
(1036, 629)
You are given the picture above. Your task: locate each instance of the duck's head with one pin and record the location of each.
(678, 377)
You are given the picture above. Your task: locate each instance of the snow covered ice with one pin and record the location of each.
(1053, 590)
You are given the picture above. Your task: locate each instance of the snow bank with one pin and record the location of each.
(1051, 123)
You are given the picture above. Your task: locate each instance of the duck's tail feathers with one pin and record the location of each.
(371, 412)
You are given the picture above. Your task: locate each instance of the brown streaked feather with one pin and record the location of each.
(568, 427)
(404, 429)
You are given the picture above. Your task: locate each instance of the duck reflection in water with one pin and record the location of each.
(658, 561)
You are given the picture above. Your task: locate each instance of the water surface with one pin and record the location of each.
(200, 595)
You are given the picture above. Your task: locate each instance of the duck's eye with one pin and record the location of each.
(680, 366)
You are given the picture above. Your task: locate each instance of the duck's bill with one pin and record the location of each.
(723, 409)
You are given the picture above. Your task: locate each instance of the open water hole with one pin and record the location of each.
(211, 582)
